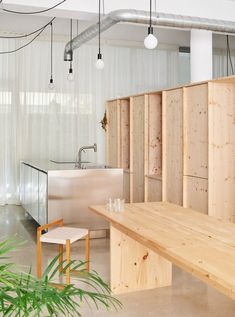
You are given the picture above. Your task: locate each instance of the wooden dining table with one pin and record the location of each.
(146, 238)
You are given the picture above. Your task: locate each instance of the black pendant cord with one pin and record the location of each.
(33, 12)
(71, 37)
(31, 41)
(150, 15)
(51, 80)
(99, 29)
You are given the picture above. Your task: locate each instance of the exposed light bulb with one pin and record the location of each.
(150, 42)
(51, 85)
(99, 63)
(70, 76)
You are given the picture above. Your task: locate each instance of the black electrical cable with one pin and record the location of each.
(51, 51)
(19, 48)
(71, 37)
(33, 12)
(150, 15)
(26, 35)
(99, 27)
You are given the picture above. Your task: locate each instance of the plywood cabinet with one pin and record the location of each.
(172, 136)
(134, 129)
(137, 136)
(222, 150)
(178, 145)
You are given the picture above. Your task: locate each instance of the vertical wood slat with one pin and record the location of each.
(222, 150)
(146, 145)
(195, 122)
(138, 147)
(172, 146)
(131, 149)
(125, 134)
(196, 131)
(113, 133)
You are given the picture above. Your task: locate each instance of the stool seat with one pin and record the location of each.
(64, 237)
(61, 234)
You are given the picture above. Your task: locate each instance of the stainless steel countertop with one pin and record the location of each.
(47, 166)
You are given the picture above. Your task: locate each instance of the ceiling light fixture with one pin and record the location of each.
(70, 75)
(150, 42)
(51, 83)
(99, 63)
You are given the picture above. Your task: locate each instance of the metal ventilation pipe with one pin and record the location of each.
(142, 17)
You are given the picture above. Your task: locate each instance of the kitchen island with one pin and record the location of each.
(52, 190)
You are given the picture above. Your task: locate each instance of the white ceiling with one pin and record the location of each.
(121, 32)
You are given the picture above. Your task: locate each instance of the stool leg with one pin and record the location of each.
(61, 250)
(87, 252)
(39, 254)
(67, 261)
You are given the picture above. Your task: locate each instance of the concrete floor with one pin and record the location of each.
(187, 296)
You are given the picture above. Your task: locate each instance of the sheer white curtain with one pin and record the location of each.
(37, 124)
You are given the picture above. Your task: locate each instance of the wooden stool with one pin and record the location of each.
(61, 236)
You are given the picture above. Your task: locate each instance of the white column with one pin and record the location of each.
(201, 55)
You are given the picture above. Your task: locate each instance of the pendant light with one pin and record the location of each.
(51, 83)
(99, 63)
(70, 75)
(150, 42)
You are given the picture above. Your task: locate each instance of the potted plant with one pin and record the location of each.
(22, 294)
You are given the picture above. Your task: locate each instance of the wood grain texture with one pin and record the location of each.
(196, 131)
(222, 150)
(134, 267)
(154, 165)
(113, 133)
(126, 186)
(138, 146)
(154, 189)
(125, 133)
(196, 193)
(172, 146)
(203, 246)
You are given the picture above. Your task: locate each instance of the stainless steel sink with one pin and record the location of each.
(101, 166)
(67, 162)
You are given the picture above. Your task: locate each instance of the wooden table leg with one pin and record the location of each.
(67, 261)
(87, 252)
(135, 267)
(61, 250)
(39, 254)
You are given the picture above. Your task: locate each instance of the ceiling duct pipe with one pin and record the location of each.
(142, 17)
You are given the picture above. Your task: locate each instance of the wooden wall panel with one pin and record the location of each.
(196, 131)
(222, 150)
(138, 147)
(135, 267)
(196, 193)
(154, 134)
(172, 146)
(126, 186)
(125, 133)
(154, 189)
(113, 133)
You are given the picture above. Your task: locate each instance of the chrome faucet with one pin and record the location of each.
(78, 163)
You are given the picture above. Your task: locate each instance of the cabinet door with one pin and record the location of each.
(34, 194)
(137, 159)
(42, 198)
(27, 188)
(113, 134)
(22, 182)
